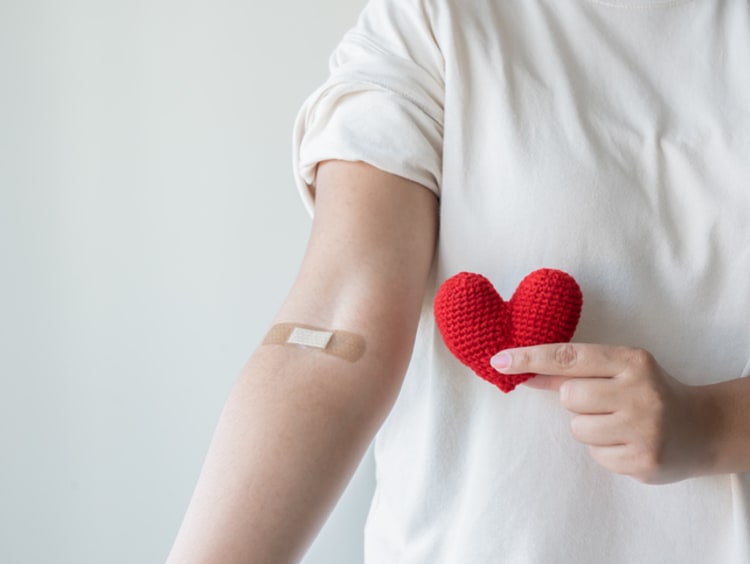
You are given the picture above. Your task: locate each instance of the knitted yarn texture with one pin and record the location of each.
(476, 323)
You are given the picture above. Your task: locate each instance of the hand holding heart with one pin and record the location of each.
(635, 418)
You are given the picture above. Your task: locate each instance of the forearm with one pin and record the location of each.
(726, 408)
(291, 435)
(298, 420)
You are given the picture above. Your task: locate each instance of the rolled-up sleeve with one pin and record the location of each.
(383, 101)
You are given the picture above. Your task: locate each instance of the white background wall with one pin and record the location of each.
(149, 229)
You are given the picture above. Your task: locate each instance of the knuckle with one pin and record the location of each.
(640, 358)
(655, 405)
(647, 477)
(647, 464)
(566, 355)
(649, 403)
(522, 359)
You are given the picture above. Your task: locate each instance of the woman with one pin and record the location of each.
(608, 139)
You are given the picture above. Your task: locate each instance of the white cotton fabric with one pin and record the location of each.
(609, 139)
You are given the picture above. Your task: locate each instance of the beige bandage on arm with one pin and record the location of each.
(342, 344)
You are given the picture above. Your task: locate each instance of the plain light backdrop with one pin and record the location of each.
(149, 230)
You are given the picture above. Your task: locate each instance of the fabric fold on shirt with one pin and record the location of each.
(376, 107)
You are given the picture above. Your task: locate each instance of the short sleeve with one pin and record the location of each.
(383, 101)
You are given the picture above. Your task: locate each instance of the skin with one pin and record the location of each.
(634, 417)
(298, 420)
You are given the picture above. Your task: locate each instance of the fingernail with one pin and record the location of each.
(500, 361)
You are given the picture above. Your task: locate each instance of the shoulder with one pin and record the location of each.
(428, 22)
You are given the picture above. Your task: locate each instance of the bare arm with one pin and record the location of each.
(297, 422)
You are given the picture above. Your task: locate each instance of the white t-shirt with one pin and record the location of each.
(606, 138)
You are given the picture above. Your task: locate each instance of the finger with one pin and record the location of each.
(620, 459)
(582, 360)
(590, 395)
(544, 382)
(597, 430)
(613, 458)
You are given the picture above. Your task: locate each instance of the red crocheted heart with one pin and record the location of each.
(476, 323)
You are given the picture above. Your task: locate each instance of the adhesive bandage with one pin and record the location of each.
(342, 344)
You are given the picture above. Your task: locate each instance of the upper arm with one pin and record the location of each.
(375, 224)
(368, 258)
